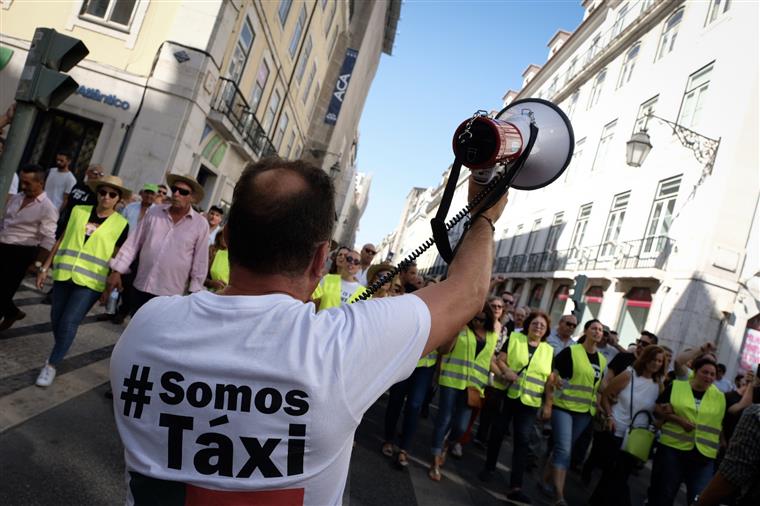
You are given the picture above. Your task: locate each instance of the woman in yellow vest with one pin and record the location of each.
(219, 264)
(522, 370)
(342, 288)
(693, 411)
(579, 370)
(466, 365)
(80, 265)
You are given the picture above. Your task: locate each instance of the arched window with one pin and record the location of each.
(669, 33)
(628, 63)
(596, 89)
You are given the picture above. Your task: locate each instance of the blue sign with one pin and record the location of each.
(341, 86)
(96, 95)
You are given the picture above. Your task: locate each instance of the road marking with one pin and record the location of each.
(31, 401)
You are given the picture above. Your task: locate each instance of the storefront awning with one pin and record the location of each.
(639, 297)
(595, 294)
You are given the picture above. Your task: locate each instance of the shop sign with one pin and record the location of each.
(96, 95)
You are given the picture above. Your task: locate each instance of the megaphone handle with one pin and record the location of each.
(438, 224)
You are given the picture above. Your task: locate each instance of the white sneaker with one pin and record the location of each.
(46, 377)
(456, 450)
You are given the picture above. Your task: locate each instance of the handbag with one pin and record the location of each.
(638, 441)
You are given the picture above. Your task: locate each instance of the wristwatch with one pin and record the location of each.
(38, 264)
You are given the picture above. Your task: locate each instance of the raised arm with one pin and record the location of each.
(453, 302)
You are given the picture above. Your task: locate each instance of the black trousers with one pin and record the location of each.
(14, 261)
(127, 292)
(491, 408)
(138, 300)
(612, 488)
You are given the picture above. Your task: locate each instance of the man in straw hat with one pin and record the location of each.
(171, 242)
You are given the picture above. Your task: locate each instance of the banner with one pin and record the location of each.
(341, 86)
(750, 356)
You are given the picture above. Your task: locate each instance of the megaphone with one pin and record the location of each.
(527, 145)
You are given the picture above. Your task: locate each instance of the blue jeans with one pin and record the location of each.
(454, 413)
(567, 426)
(419, 382)
(672, 467)
(71, 302)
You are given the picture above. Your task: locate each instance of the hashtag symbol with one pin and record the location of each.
(135, 390)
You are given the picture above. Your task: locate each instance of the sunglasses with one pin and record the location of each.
(509, 302)
(497, 306)
(95, 173)
(571, 324)
(479, 319)
(351, 260)
(371, 252)
(162, 192)
(182, 191)
(642, 343)
(103, 193)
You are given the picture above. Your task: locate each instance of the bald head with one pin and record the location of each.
(368, 253)
(281, 211)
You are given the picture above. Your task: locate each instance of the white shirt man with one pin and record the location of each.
(367, 254)
(250, 395)
(562, 336)
(60, 181)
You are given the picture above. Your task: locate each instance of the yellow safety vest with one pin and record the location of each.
(529, 387)
(708, 420)
(461, 368)
(329, 292)
(428, 360)
(220, 269)
(578, 394)
(86, 263)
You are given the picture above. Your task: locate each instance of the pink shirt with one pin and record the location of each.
(34, 225)
(170, 253)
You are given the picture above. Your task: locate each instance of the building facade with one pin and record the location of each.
(670, 246)
(203, 88)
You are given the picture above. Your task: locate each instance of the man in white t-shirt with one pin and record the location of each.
(60, 181)
(251, 396)
(368, 253)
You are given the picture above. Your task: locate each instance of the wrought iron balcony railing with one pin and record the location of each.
(230, 102)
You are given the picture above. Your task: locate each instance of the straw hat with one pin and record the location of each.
(374, 269)
(113, 182)
(198, 191)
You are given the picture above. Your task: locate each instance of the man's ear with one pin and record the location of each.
(319, 259)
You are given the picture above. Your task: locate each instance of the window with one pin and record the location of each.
(669, 33)
(614, 223)
(262, 76)
(284, 10)
(110, 12)
(316, 98)
(242, 49)
(330, 17)
(298, 152)
(662, 215)
(572, 103)
(595, 43)
(532, 237)
(577, 155)
(274, 104)
(297, 32)
(301, 68)
(558, 223)
(553, 86)
(291, 141)
(644, 109)
(717, 7)
(584, 213)
(333, 40)
(596, 88)
(620, 21)
(694, 97)
(281, 127)
(309, 82)
(628, 63)
(602, 151)
(571, 68)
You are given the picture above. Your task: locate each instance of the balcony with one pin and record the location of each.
(234, 117)
(646, 253)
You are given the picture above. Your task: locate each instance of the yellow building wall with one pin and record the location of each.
(24, 16)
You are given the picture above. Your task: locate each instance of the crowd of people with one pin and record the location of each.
(570, 398)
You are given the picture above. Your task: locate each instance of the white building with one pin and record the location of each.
(670, 246)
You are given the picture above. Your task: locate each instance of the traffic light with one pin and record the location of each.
(42, 80)
(577, 298)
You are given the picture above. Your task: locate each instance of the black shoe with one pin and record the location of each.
(118, 319)
(48, 298)
(486, 475)
(518, 497)
(108, 394)
(104, 317)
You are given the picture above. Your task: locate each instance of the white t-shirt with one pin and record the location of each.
(303, 381)
(59, 184)
(645, 393)
(361, 276)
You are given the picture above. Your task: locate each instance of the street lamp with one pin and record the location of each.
(705, 149)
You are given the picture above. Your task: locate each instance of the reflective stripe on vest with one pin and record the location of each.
(428, 360)
(529, 387)
(578, 394)
(220, 269)
(86, 263)
(708, 420)
(330, 291)
(460, 368)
